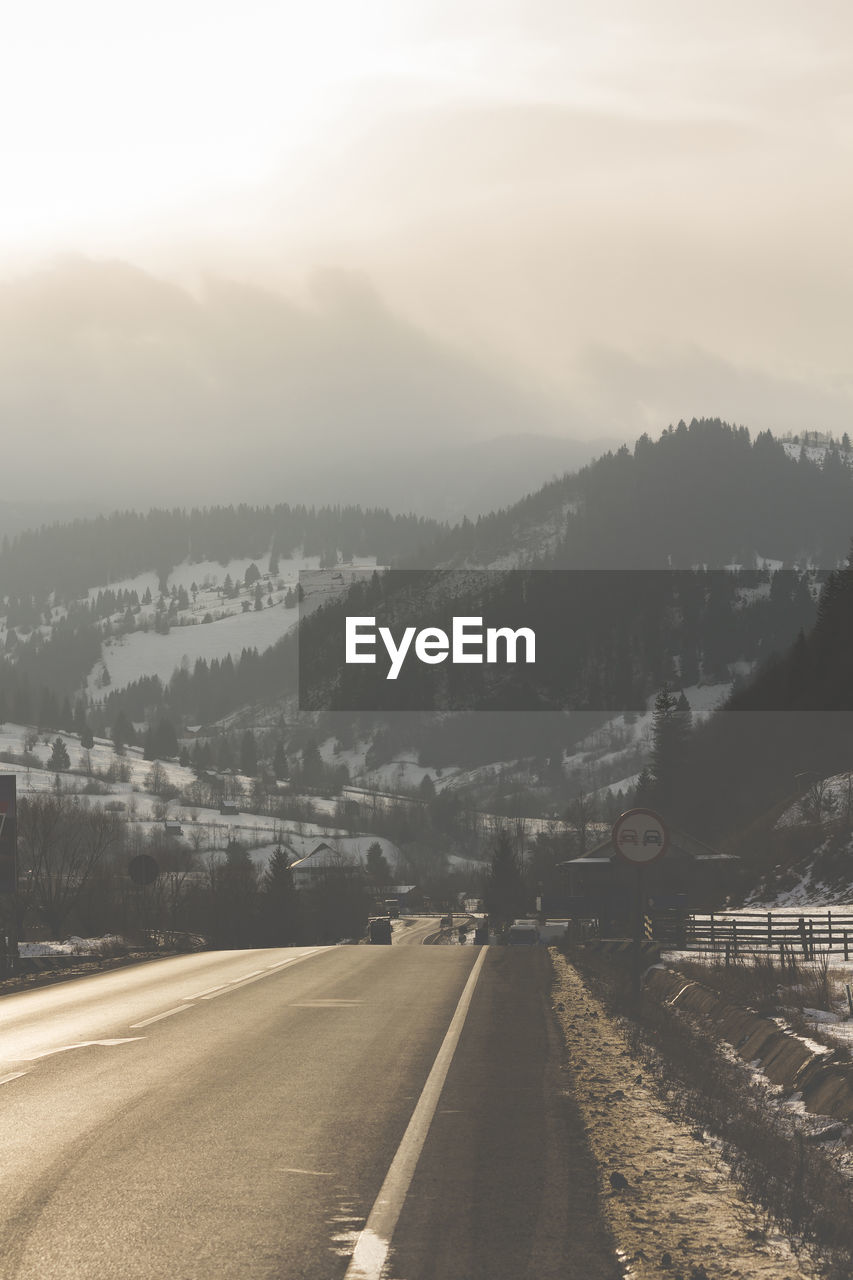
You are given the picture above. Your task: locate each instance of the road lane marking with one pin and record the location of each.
(324, 1004)
(256, 976)
(311, 1173)
(158, 1017)
(200, 995)
(83, 1044)
(211, 993)
(13, 1075)
(374, 1241)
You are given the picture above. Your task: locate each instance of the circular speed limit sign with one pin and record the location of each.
(640, 836)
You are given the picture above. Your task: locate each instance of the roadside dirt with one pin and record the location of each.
(667, 1196)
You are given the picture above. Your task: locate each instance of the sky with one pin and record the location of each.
(266, 236)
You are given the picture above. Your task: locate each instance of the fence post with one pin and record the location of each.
(846, 951)
(769, 930)
(713, 943)
(811, 939)
(734, 936)
(829, 928)
(801, 925)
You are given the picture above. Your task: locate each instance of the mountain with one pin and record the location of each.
(702, 494)
(212, 648)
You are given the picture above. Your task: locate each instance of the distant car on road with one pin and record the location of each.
(523, 933)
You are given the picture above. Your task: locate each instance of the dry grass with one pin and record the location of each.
(796, 1183)
(776, 986)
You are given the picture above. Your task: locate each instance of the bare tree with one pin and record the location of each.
(61, 846)
(819, 803)
(579, 815)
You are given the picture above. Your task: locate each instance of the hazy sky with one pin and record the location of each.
(603, 216)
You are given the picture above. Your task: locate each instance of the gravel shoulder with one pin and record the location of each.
(666, 1194)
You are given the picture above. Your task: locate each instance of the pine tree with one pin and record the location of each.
(378, 870)
(671, 726)
(505, 894)
(122, 733)
(59, 758)
(279, 762)
(280, 903)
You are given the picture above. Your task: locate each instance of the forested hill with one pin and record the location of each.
(816, 672)
(701, 494)
(69, 559)
(792, 720)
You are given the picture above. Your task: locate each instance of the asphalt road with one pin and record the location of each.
(237, 1115)
(415, 930)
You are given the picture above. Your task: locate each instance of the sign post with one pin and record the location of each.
(8, 876)
(640, 837)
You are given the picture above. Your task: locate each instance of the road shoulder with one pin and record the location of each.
(667, 1197)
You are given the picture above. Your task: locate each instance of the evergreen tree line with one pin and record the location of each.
(703, 493)
(64, 561)
(793, 720)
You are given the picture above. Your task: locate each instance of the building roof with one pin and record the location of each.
(681, 844)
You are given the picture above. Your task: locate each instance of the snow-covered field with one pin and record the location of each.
(205, 830)
(233, 623)
(130, 657)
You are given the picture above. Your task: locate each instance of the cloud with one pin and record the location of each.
(124, 387)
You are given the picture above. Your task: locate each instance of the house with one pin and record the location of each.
(323, 861)
(172, 827)
(228, 806)
(690, 874)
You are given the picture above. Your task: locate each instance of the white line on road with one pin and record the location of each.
(83, 1044)
(13, 1075)
(373, 1243)
(158, 1017)
(200, 995)
(255, 976)
(211, 993)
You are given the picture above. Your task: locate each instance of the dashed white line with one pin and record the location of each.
(211, 993)
(201, 995)
(158, 1017)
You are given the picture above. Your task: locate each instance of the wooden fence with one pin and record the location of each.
(806, 933)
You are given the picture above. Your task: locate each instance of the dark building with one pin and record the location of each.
(690, 875)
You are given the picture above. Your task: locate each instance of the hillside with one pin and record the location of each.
(702, 494)
(190, 615)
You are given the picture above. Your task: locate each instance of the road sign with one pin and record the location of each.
(640, 836)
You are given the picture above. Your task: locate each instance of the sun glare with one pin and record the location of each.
(109, 121)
